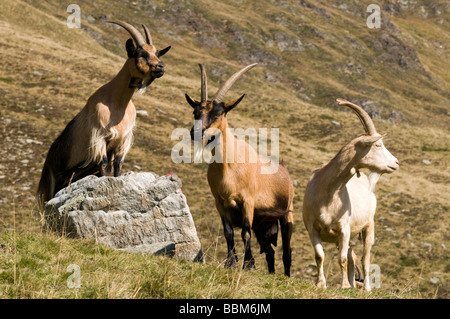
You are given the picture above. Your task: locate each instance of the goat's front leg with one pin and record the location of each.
(368, 238)
(228, 231)
(247, 214)
(114, 165)
(104, 166)
(319, 256)
(109, 168)
(117, 164)
(120, 152)
(344, 240)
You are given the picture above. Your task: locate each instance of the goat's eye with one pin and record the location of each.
(377, 145)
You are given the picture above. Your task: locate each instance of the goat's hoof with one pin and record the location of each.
(249, 265)
(346, 285)
(321, 284)
(231, 262)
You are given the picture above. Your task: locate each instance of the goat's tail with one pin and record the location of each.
(265, 222)
(46, 187)
(275, 213)
(265, 226)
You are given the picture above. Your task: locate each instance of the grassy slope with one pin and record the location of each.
(35, 266)
(401, 67)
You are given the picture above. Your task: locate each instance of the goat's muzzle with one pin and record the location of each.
(158, 70)
(197, 134)
(394, 166)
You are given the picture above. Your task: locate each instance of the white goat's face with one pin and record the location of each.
(377, 158)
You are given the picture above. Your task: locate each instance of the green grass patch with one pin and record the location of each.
(409, 261)
(427, 148)
(326, 117)
(6, 80)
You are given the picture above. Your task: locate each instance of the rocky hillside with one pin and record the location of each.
(309, 53)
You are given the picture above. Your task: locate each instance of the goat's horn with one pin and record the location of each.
(227, 85)
(204, 88)
(135, 34)
(365, 119)
(147, 34)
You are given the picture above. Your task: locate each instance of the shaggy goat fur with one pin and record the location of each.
(98, 138)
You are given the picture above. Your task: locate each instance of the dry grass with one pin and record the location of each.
(37, 266)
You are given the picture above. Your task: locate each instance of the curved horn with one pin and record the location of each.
(147, 34)
(204, 88)
(135, 34)
(365, 119)
(218, 97)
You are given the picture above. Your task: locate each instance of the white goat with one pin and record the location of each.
(339, 202)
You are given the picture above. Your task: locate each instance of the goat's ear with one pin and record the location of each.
(369, 140)
(191, 101)
(231, 105)
(163, 51)
(130, 48)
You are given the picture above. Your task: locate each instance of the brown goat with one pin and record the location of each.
(244, 196)
(97, 139)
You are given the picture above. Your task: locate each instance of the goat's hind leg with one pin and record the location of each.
(286, 233)
(266, 247)
(344, 240)
(368, 237)
(354, 272)
(351, 266)
(266, 234)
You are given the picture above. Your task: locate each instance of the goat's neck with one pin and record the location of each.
(339, 170)
(120, 92)
(226, 141)
(373, 180)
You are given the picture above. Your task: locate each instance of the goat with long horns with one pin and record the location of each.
(245, 197)
(98, 138)
(340, 203)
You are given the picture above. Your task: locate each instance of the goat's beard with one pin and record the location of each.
(143, 84)
(208, 143)
(141, 90)
(198, 151)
